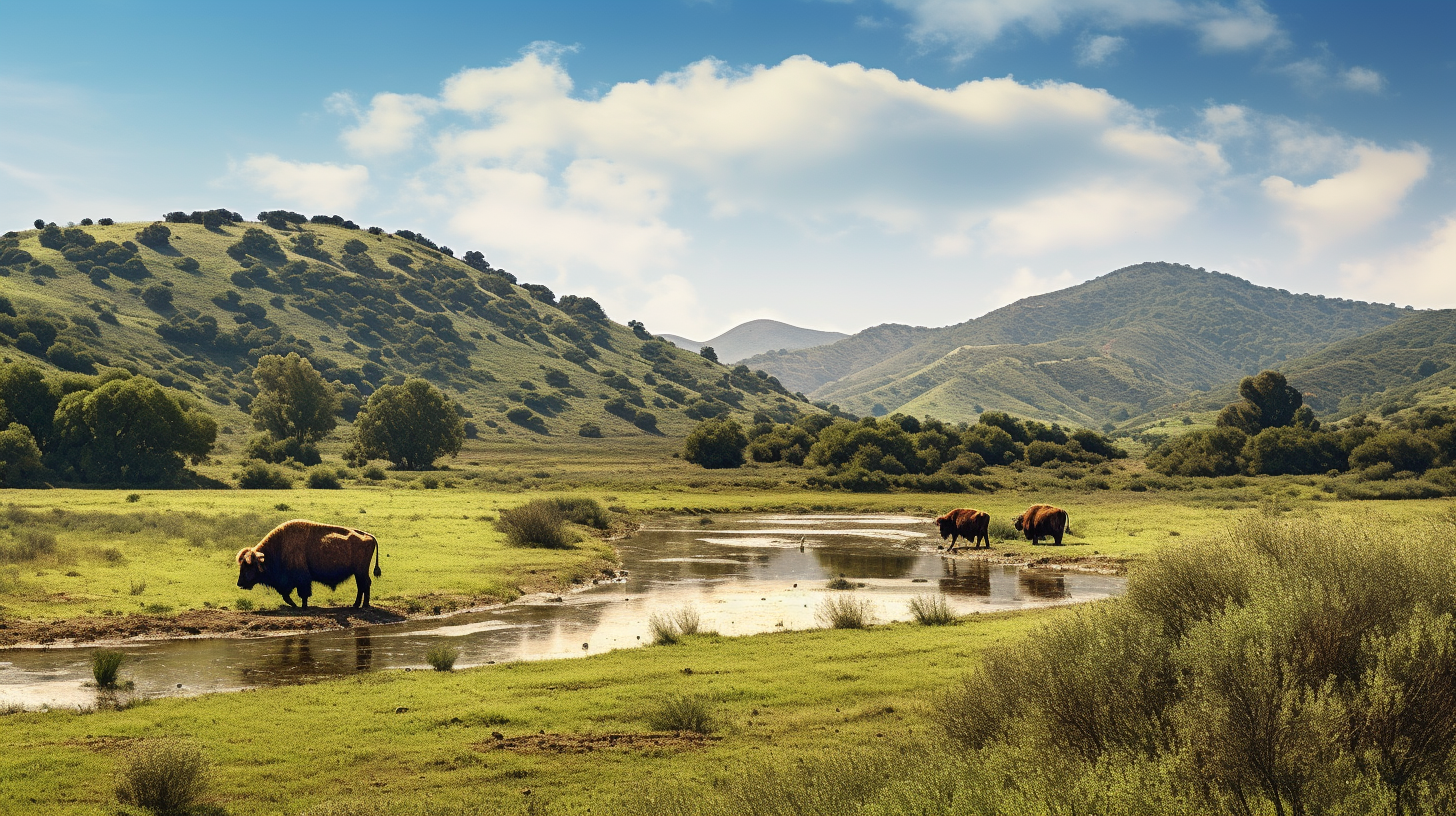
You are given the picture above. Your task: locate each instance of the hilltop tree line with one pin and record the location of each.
(1271, 432)
(874, 454)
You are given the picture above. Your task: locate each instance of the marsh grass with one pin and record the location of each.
(584, 511)
(442, 656)
(682, 712)
(537, 523)
(842, 583)
(847, 611)
(1002, 529)
(105, 664)
(671, 627)
(27, 545)
(931, 610)
(166, 777)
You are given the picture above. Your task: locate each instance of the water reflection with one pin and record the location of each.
(742, 576)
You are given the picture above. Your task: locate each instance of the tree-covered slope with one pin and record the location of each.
(1131, 340)
(196, 304)
(1400, 361)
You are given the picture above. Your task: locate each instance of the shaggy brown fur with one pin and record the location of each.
(965, 522)
(298, 553)
(1042, 520)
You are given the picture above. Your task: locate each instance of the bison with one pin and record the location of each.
(298, 553)
(967, 523)
(1042, 520)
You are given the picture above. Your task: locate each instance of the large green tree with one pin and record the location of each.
(716, 443)
(294, 401)
(30, 399)
(1269, 402)
(130, 430)
(411, 425)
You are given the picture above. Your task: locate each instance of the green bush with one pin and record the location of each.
(105, 663)
(373, 473)
(716, 443)
(259, 475)
(323, 477)
(583, 511)
(682, 712)
(442, 656)
(167, 777)
(537, 523)
(590, 430)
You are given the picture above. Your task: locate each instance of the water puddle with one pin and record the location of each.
(744, 575)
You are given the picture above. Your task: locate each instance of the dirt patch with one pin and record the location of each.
(194, 623)
(588, 743)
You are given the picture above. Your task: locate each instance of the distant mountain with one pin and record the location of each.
(196, 304)
(757, 337)
(1110, 348)
(1394, 364)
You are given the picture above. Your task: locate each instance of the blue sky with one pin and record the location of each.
(831, 164)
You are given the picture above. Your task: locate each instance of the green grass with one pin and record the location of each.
(409, 736)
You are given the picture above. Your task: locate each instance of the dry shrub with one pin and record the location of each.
(537, 523)
(847, 611)
(931, 610)
(164, 776)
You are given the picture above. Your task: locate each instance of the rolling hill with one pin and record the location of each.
(196, 304)
(1117, 346)
(758, 336)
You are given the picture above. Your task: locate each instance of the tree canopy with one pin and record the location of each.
(130, 430)
(293, 402)
(411, 425)
(716, 443)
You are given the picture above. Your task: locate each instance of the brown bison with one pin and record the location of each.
(967, 523)
(1042, 520)
(298, 553)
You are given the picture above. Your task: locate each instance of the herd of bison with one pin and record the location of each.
(297, 554)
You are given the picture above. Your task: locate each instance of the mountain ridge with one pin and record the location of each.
(757, 336)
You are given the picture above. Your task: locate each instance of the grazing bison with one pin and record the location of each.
(966, 523)
(297, 553)
(1042, 520)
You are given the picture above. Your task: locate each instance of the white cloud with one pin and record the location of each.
(1363, 79)
(389, 126)
(1024, 283)
(1097, 50)
(1099, 214)
(1424, 274)
(969, 25)
(315, 186)
(1335, 208)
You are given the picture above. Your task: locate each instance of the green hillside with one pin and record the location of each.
(195, 305)
(1392, 365)
(1137, 339)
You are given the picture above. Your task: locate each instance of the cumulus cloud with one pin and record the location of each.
(1423, 274)
(1023, 283)
(1335, 208)
(1099, 49)
(1099, 214)
(969, 25)
(390, 125)
(315, 186)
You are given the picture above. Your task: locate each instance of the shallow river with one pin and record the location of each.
(743, 574)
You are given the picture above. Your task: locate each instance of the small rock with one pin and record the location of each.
(401, 709)
(498, 735)
(687, 671)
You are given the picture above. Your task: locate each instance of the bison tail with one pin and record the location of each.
(1067, 524)
(377, 571)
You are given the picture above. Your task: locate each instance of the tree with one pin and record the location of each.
(130, 430)
(154, 235)
(1213, 452)
(30, 399)
(19, 456)
(1269, 402)
(709, 352)
(411, 425)
(716, 443)
(40, 223)
(294, 403)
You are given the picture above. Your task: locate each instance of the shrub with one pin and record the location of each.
(537, 523)
(590, 430)
(442, 656)
(259, 475)
(244, 604)
(846, 611)
(931, 610)
(373, 473)
(164, 776)
(188, 264)
(670, 627)
(682, 712)
(323, 477)
(157, 297)
(411, 425)
(716, 443)
(583, 511)
(154, 235)
(105, 663)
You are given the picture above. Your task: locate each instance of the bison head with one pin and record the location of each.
(1019, 521)
(250, 567)
(947, 526)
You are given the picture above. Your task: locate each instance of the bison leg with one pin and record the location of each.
(362, 585)
(303, 594)
(1057, 537)
(953, 538)
(287, 596)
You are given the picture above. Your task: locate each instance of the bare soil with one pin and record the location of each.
(587, 743)
(193, 623)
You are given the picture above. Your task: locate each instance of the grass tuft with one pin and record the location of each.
(442, 656)
(844, 612)
(671, 627)
(931, 610)
(682, 712)
(165, 777)
(537, 523)
(105, 663)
